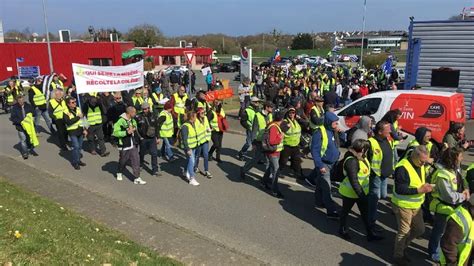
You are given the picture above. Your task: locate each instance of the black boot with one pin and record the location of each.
(371, 236)
(344, 233)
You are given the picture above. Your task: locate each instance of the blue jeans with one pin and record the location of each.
(190, 165)
(439, 225)
(272, 168)
(166, 149)
(23, 142)
(40, 113)
(76, 142)
(256, 158)
(204, 150)
(322, 193)
(248, 141)
(377, 190)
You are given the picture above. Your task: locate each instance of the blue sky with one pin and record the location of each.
(234, 17)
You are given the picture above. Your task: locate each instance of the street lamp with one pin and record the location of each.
(50, 57)
(363, 35)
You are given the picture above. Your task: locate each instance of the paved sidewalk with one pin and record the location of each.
(165, 238)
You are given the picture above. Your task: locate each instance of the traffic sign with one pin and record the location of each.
(189, 56)
(28, 71)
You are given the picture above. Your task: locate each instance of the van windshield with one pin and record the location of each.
(363, 107)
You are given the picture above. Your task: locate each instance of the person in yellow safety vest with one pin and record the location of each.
(275, 139)
(137, 100)
(382, 161)
(392, 117)
(450, 191)
(158, 101)
(260, 122)
(216, 117)
(56, 83)
(56, 108)
(92, 109)
(11, 91)
(246, 120)
(189, 142)
(408, 196)
(325, 84)
(166, 131)
(73, 119)
(146, 96)
(354, 188)
(203, 130)
(38, 101)
(291, 142)
(456, 244)
(200, 102)
(22, 118)
(316, 115)
(179, 101)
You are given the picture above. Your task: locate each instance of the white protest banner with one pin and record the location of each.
(206, 70)
(108, 78)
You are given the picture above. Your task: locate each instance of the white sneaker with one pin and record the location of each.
(208, 174)
(193, 182)
(139, 181)
(119, 177)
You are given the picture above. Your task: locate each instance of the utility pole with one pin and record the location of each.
(363, 35)
(263, 42)
(50, 57)
(223, 44)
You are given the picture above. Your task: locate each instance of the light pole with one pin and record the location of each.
(363, 35)
(50, 57)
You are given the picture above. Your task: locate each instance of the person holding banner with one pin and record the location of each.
(38, 102)
(93, 110)
(74, 126)
(57, 106)
(22, 118)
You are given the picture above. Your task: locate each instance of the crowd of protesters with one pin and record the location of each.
(288, 115)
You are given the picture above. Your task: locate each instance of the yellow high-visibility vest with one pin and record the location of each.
(166, 130)
(410, 201)
(29, 127)
(38, 98)
(58, 108)
(346, 188)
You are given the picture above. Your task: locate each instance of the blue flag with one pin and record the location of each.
(20, 59)
(387, 66)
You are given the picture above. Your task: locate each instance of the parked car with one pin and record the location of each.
(227, 67)
(401, 73)
(376, 50)
(235, 58)
(236, 65)
(182, 69)
(237, 77)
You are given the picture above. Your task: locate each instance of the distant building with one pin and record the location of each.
(393, 40)
(384, 42)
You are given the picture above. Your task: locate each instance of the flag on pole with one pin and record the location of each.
(277, 56)
(387, 66)
(353, 58)
(20, 59)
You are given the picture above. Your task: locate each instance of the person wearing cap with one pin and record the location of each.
(246, 120)
(260, 122)
(93, 110)
(203, 131)
(216, 117)
(38, 102)
(189, 143)
(325, 153)
(456, 243)
(244, 93)
(179, 101)
(291, 142)
(165, 129)
(148, 133)
(56, 83)
(125, 130)
(22, 118)
(57, 106)
(73, 119)
(275, 138)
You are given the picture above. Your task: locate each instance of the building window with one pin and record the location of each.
(169, 60)
(202, 59)
(100, 61)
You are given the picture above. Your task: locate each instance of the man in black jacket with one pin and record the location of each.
(93, 110)
(38, 102)
(148, 132)
(18, 113)
(74, 125)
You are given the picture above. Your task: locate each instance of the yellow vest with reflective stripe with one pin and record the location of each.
(94, 116)
(280, 145)
(346, 189)
(71, 116)
(58, 108)
(192, 135)
(180, 104)
(293, 134)
(166, 130)
(319, 113)
(324, 140)
(395, 126)
(214, 121)
(38, 98)
(158, 98)
(436, 205)
(251, 115)
(138, 100)
(55, 86)
(410, 201)
(203, 131)
(463, 218)
(9, 93)
(29, 126)
(377, 155)
(262, 122)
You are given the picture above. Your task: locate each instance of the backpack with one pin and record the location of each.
(337, 173)
(345, 93)
(349, 134)
(266, 147)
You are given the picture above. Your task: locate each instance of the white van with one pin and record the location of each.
(377, 50)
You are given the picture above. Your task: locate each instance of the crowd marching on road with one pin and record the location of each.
(288, 115)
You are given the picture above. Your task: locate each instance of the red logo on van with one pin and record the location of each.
(435, 110)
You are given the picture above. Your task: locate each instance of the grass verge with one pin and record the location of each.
(36, 231)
